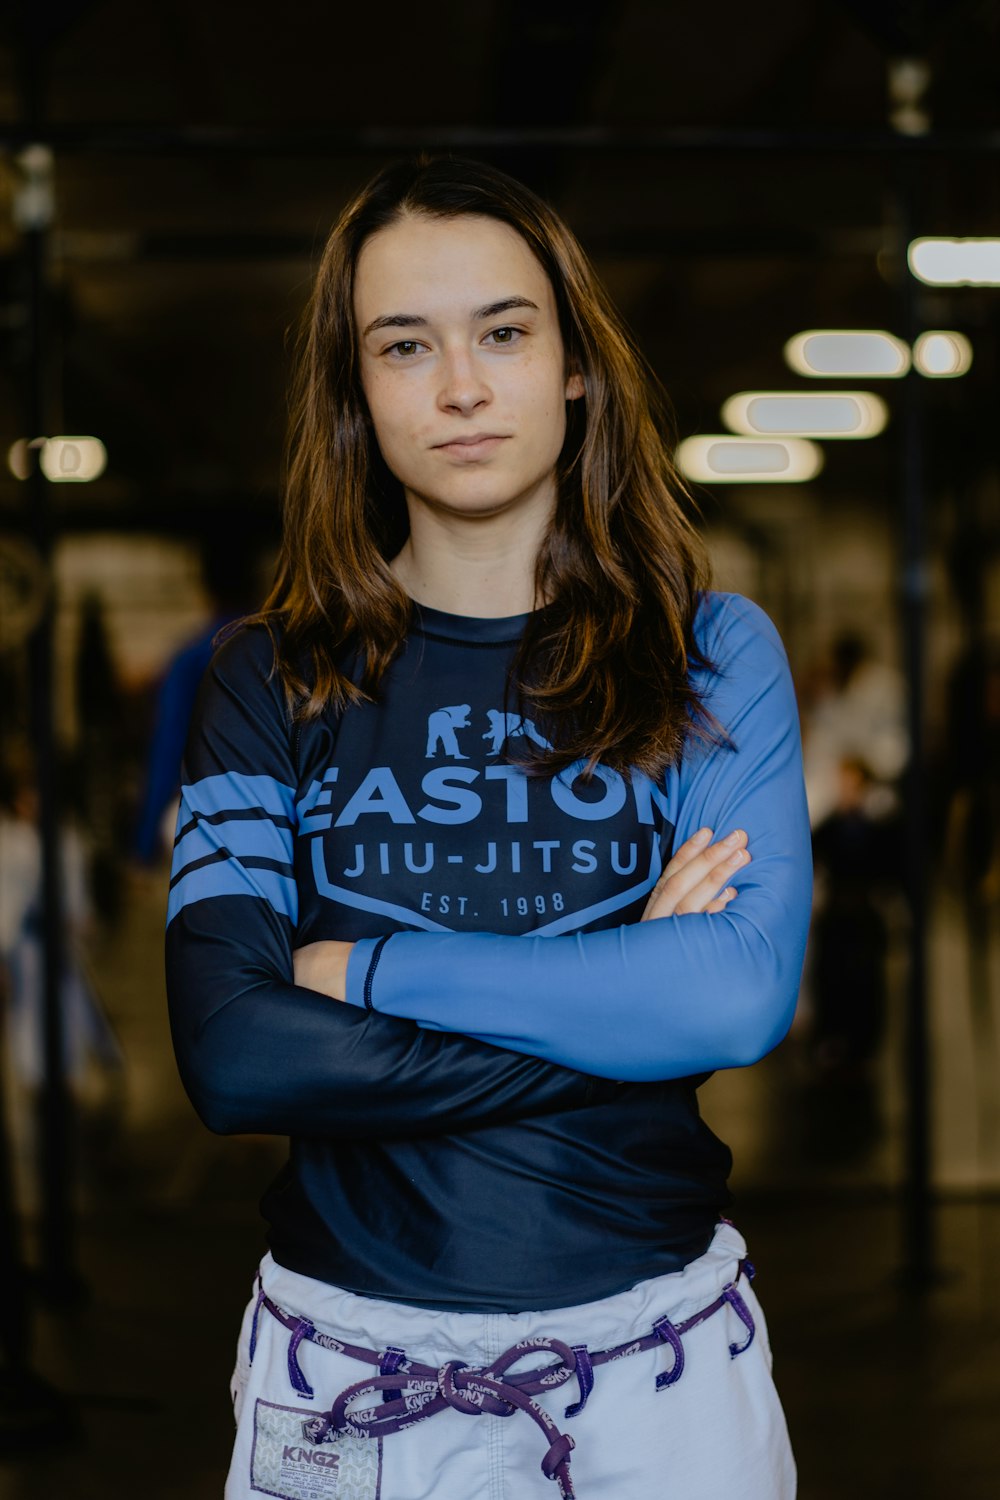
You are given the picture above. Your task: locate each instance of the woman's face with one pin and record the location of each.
(462, 365)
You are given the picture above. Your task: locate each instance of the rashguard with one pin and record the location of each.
(505, 1115)
(658, 999)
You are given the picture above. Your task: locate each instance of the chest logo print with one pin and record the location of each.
(475, 839)
(505, 727)
(442, 724)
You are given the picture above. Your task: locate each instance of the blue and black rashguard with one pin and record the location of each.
(505, 1114)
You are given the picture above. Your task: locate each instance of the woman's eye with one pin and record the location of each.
(504, 335)
(405, 349)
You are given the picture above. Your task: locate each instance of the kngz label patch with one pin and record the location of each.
(285, 1464)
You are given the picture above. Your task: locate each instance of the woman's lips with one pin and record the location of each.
(467, 452)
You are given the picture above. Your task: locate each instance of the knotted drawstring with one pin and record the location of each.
(412, 1392)
(472, 1391)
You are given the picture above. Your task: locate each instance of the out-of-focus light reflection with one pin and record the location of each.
(908, 79)
(942, 354)
(849, 352)
(19, 458)
(73, 460)
(722, 459)
(953, 262)
(830, 414)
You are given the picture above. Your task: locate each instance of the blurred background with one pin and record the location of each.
(168, 175)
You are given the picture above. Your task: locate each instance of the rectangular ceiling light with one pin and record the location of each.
(817, 414)
(73, 460)
(970, 262)
(848, 352)
(723, 459)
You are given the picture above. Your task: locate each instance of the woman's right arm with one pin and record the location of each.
(256, 1052)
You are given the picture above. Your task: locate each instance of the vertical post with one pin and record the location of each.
(31, 1410)
(58, 1277)
(918, 1269)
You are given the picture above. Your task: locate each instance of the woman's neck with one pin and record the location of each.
(483, 570)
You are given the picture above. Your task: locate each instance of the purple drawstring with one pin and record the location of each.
(745, 1316)
(466, 1390)
(585, 1377)
(388, 1365)
(299, 1382)
(411, 1391)
(665, 1330)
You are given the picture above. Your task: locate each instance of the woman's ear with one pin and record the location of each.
(574, 387)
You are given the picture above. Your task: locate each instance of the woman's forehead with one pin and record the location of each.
(450, 266)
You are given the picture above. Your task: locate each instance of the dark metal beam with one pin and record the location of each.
(743, 241)
(328, 141)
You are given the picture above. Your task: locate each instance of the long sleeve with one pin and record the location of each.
(673, 996)
(256, 1052)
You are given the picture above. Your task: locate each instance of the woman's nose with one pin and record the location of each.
(463, 387)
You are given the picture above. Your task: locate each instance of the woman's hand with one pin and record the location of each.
(322, 967)
(695, 879)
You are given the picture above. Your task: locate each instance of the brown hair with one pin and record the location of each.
(605, 664)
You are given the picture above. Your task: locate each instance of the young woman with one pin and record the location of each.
(489, 768)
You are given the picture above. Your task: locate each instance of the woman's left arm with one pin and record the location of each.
(672, 996)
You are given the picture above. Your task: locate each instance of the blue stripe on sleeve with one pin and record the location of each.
(249, 862)
(232, 791)
(228, 878)
(241, 837)
(233, 815)
(230, 844)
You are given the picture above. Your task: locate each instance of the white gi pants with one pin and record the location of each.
(717, 1432)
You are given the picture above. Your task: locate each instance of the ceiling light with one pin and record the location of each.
(840, 352)
(722, 459)
(826, 414)
(942, 354)
(73, 460)
(969, 262)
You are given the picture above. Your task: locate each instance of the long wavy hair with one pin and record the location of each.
(605, 665)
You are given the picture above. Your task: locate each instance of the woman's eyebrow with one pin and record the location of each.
(505, 305)
(415, 320)
(396, 320)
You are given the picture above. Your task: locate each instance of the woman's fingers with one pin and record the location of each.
(722, 901)
(687, 851)
(678, 861)
(698, 896)
(696, 877)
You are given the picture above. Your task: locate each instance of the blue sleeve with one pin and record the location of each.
(256, 1052)
(673, 996)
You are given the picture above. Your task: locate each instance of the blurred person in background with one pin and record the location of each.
(972, 773)
(854, 711)
(228, 570)
(90, 1047)
(492, 844)
(969, 780)
(857, 849)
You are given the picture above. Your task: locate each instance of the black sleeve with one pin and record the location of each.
(256, 1052)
